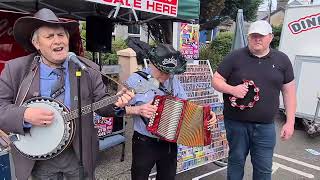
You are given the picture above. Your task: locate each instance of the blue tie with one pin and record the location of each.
(57, 90)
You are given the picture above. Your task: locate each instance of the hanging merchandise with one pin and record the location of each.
(196, 82)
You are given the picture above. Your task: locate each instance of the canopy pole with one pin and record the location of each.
(37, 5)
(117, 10)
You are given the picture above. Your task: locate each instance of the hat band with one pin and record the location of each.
(171, 60)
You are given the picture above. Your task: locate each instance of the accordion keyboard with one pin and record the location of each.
(170, 119)
(180, 121)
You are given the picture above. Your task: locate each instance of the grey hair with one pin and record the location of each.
(36, 33)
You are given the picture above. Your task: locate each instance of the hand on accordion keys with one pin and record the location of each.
(212, 121)
(146, 110)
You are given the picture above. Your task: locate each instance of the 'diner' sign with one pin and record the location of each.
(305, 23)
(165, 7)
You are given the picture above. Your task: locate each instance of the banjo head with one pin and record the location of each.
(45, 142)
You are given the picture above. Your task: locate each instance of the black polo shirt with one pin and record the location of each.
(269, 73)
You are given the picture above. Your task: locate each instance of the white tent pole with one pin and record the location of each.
(117, 10)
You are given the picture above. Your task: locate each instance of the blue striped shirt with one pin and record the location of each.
(134, 81)
(48, 78)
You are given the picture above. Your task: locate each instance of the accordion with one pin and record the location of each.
(180, 121)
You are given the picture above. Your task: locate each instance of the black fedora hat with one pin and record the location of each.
(165, 58)
(24, 27)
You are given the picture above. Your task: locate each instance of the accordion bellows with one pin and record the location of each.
(180, 121)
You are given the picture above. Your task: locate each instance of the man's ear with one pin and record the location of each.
(271, 37)
(36, 44)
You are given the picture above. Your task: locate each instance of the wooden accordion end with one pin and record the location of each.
(180, 121)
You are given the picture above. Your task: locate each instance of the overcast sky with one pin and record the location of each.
(265, 5)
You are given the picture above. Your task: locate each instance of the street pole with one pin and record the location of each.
(270, 7)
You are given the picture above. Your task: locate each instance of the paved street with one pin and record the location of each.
(291, 161)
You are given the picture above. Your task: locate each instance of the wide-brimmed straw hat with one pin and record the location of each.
(165, 58)
(24, 27)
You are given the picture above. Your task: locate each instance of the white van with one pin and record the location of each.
(300, 40)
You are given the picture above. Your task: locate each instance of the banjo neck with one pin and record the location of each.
(105, 102)
(91, 107)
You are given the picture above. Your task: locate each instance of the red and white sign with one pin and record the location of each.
(165, 7)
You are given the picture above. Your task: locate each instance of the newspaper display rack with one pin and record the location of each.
(197, 84)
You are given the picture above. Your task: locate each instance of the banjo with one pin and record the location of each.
(56, 137)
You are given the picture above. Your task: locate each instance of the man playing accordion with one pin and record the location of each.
(148, 149)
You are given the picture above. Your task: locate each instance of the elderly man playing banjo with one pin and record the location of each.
(39, 113)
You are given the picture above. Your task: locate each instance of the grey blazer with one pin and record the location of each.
(11, 119)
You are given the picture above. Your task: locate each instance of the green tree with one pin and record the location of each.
(250, 8)
(161, 30)
(276, 36)
(217, 49)
(212, 13)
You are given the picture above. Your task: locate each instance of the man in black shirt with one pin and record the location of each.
(251, 79)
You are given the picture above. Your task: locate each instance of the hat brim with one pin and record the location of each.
(179, 69)
(261, 33)
(25, 26)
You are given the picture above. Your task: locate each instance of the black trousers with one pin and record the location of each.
(146, 152)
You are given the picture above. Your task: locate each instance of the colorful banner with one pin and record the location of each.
(165, 7)
(189, 40)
